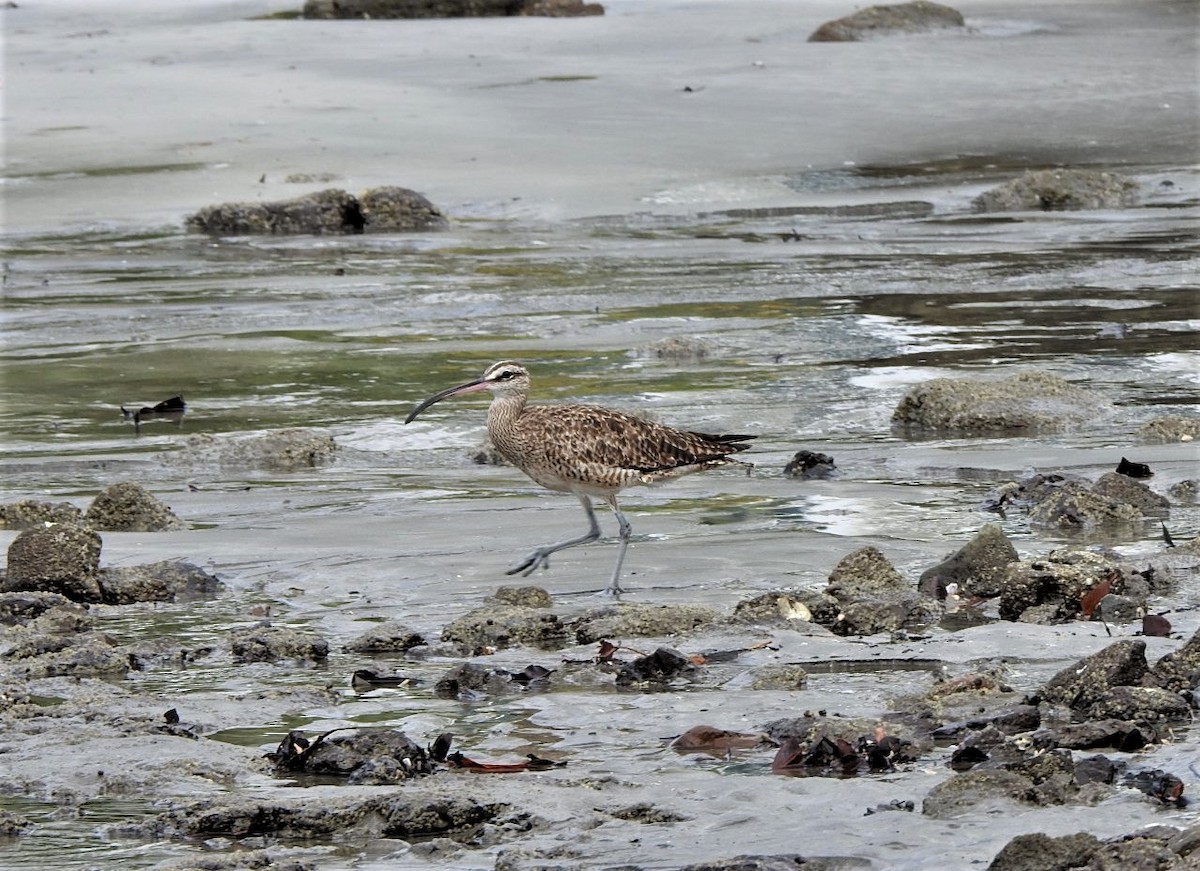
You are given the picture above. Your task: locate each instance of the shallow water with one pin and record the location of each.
(809, 342)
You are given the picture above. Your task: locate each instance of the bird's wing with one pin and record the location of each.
(590, 438)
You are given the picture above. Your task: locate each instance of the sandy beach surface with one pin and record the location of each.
(143, 112)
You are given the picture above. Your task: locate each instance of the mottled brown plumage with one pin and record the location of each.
(587, 450)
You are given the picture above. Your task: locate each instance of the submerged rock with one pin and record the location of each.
(32, 513)
(391, 815)
(380, 210)
(916, 17)
(1029, 402)
(286, 450)
(62, 558)
(166, 581)
(129, 507)
(1060, 189)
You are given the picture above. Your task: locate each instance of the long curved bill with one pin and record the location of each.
(469, 387)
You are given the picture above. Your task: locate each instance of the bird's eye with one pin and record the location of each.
(506, 375)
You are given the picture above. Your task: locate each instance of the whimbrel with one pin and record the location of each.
(587, 450)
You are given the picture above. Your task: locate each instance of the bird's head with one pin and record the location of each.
(505, 378)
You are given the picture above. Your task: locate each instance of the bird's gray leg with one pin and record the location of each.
(541, 556)
(614, 586)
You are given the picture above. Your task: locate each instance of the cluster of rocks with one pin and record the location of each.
(121, 507)
(333, 211)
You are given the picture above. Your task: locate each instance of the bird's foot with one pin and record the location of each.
(539, 558)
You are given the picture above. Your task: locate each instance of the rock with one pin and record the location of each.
(1179, 670)
(1121, 488)
(979, 567)
(22, 608)
(809, 464)
(779, 677)
(905, 611)
(387, 637)
(32, 513)
(1074, 505)
(1137, 854)
(381, 210)
(1056, 584)
(507, 626)
(528, 596)
(129, 507)
(166, 581)
(865, 572)
(874, 597)
(58, 559)
(1093, 678)
(375, 9)
(399, 210)
(1026, 403)
(1040, 852)
(1060, 189)
(917, 17)
(266, 643)
(86, 655)
(631, 620)
(1172, 428)
(1139, 704)
(968, 791)
(286, 450)
(787, 608)
(328, 211)
(390, 815)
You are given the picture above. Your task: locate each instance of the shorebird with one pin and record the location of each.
(590, 451)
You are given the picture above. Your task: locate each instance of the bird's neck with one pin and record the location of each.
(502, 416)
